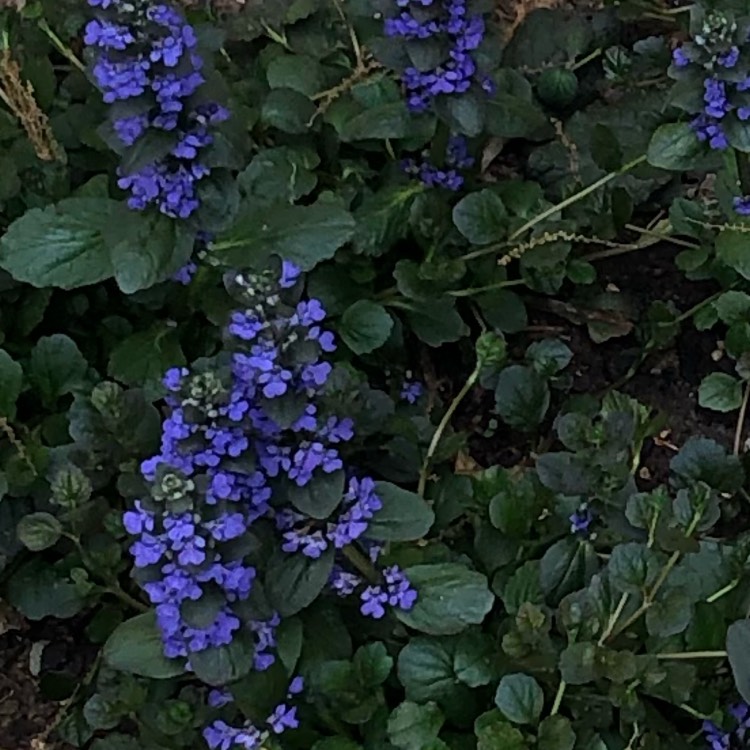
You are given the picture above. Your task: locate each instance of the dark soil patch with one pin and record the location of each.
(40, 667)
(667, 380)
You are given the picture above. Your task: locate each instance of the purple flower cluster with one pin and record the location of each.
(228, 454)
(411, 391)
(149, 70)
(713, 59)
(460, 32)
(721, 739)
(222, 736)
(580, 521)
(457, 157)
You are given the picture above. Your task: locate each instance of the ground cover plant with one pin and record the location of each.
(374, 375)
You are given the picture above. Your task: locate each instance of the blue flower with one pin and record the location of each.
(461, 35)
(140, 56)
(397, 592)
(580, 521)
(411, 391)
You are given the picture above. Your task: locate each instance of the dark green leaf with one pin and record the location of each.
(450, 597)
(319, 497)
(305, 235)
(405, 516)
(674, 146)
(520, 698)
(11, 379)
(37, 531)
(412, 727)
(136, 647)
(555, 733)
(293, 581)
(365, 326)
(481, 217)
(738, 648)
(288, 110)
(144, 357)
(57, 367)
(521, 397)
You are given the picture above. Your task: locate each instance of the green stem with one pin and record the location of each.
(361, 563)
(449, 412)
(586, 60)
(723, 591)
(558, 697)
(552, 210)
(488, 288)
(124, 597)
(63, 49)
(614, 617)
(694, 655)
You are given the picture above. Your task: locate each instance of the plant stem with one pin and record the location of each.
(449, 412)
(741, 421)
(488, 288)
(63, 49)
(614, 617)
(586, 60)
(723, 591)
(552, 210)
(694, 655)
(361, 563)
(558, 697)
(663, 237)
(124, 597)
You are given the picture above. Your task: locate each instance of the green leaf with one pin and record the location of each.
(605, 150)
(61, 245)
(293, 581)
(731, 248)
(82, 241)
(578, 663)
(373, 664)
(738, 648)
(300, 73)
(521, 397)
(473, 662)
(549, 356)
(305, 235)
(39, 590)
(720, 392)
(670, 614)
(493, 733)
(704, 460)
(524, 586)
(219, 666)
(556, 733)
(288, 110)
(674, 146)
(450, 597)
(520, 698)
(143, 357)
(631, 567)
(136, 647)
(56, 367)
(509, 116)
(388, 120)
(11, 380)
(514, 508)
(383, 218)
(365, 326)
(504, 310)
(280, 174)
(437, 322)
(320, 497)
(425, 668)
(405, 516)
(733, 307)
(412, 727)
(481, 217)
(38, 531)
